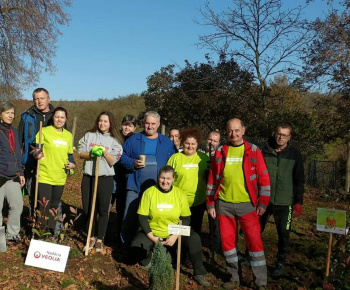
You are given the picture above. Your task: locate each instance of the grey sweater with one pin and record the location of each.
(110, 143)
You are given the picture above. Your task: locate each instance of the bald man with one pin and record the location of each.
(239, 191)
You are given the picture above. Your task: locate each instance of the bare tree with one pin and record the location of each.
(28, 35)
(327, 57)
(261, 35)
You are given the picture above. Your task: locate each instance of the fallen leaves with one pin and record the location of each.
(72, 287)
(109, 271)
(37, 279)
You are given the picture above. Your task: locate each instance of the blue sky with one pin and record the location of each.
(112, 46)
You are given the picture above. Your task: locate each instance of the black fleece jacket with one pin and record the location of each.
(286, 172)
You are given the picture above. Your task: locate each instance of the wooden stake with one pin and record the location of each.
(178, 260)
(92, 212)
(37, 169)
(347, 179)
(73, 129)
(329, 254)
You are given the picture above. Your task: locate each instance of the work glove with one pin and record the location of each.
(37, 153)
(297, 209)
(70, 172)
(97, 150)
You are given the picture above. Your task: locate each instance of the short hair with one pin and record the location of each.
(216, 131)
(192, 132)
(242, 124)
(166, 169)
(174, 128)
(152, 114)
(284, 126)
(59, 109)
(129, 119)
(5, 106)
(38, 90)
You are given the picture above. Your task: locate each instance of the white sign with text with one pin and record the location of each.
(47, 255)
(179, 230)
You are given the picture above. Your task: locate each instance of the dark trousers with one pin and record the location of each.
(53, 194)
(142, 246)
(197, 213)
(283, 220)
(103, 199)
(215, 240)
(119, 198)
(29, 175)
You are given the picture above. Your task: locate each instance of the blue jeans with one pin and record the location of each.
(130, 219)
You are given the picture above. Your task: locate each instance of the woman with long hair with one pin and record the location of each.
(11, 171)
(105, 134)
(56, 162)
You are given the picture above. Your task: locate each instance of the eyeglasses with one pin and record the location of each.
(280, 135)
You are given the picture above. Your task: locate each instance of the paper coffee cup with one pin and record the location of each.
(143, 159)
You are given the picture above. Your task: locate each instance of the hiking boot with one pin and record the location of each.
(91, 244)
(202, 280)
(99, 246)
(231, 285)
(279, 269)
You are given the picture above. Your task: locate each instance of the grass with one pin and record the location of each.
(75, 253)
(66, 283)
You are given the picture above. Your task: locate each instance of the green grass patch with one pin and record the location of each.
(18, 254)
(66, 283)
(74, 253)
(23, 287)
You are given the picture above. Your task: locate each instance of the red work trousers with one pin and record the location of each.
(229, 214)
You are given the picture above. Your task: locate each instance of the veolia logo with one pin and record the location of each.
(37, 255)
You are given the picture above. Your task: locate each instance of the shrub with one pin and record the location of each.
(161, 272)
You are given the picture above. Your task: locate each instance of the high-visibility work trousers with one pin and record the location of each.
(229, 214)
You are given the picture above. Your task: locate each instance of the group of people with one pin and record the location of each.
(156, 181)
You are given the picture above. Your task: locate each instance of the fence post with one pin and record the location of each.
(163, 129)
(312, 178)
(335, 167)
(347, 183)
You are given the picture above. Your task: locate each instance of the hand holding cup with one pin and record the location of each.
(141, 162)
